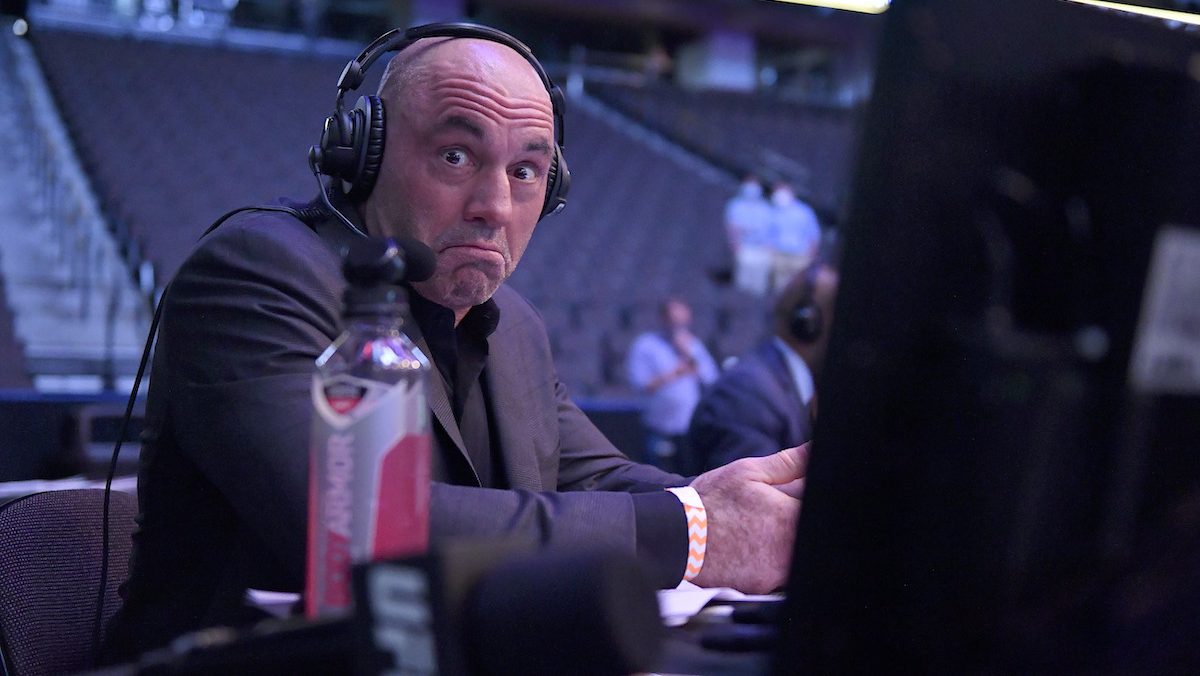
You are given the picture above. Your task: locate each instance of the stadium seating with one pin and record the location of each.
(13, 371)
(809, 145)
(175, 134)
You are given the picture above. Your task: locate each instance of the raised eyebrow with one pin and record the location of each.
(459, 122)
(539, 146)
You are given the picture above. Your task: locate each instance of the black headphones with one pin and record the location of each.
(351, 147)
(806, 320)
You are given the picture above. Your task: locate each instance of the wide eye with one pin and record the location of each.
(454, 156)
(524, 173)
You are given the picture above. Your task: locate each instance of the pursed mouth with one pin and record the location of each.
(475, 247)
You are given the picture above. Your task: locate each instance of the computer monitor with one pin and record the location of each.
(1006, 468)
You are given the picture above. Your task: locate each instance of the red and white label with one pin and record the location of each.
(369, 482)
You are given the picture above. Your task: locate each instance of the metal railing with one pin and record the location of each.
(91, 275)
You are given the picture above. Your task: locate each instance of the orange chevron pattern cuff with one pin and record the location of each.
(697, 521)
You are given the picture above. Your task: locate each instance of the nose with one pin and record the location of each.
(490, 202)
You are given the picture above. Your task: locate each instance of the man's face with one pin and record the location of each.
(677, 315)
(465, 165)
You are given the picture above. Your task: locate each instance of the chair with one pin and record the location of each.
(50, 549)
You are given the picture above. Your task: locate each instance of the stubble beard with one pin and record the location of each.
(461, 288)
(466, 285)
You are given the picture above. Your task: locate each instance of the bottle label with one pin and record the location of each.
(368, 481)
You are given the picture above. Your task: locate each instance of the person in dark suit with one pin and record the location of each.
(767, 399)
(468, 144)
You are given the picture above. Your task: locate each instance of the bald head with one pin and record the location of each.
(469, 142)
(413, 71)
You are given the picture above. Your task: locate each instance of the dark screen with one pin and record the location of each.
(988, 490)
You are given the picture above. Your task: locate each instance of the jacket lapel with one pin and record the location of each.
(512, 414)
(443, 413)
(800, 427)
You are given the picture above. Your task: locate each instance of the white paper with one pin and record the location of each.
(677, 606)
(278, 604)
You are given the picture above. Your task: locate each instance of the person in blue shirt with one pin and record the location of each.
(670, 366)
(795, 235)
(748, 222)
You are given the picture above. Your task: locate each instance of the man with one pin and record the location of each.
(748, 217)
(222, 487)
(670, 366)
(795, 234)
(767, 400)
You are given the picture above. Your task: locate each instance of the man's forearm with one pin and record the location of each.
(650, 525)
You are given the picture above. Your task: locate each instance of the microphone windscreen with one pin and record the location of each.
(368, 262)
(589, 613)
(419, 260)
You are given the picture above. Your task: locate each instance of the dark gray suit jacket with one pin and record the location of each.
(753, 409)
(223, 478)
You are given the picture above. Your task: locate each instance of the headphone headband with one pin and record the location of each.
(352, 143)
(398, 39)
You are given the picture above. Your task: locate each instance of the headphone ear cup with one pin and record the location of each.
(558, 183)
(334, 155)
(369, 137)
(805, 323)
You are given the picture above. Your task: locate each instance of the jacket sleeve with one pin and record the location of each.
(589, 462)
(650, 526)
(735, 420)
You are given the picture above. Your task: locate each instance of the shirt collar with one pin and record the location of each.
(436, 321)
(801, 375)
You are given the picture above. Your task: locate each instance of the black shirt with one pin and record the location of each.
(460, 354)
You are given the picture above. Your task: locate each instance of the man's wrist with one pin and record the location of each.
(697, 525)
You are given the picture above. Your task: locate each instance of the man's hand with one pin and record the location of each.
(681, 340)
(686, 367)
(752, 507)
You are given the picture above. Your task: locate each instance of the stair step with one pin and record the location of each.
(59, 263)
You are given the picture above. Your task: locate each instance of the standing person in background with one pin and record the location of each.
(768, 398)
(670, 366)
(748, 217)
(795, 234)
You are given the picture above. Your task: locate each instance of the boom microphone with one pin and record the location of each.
(419, 260)
(589, 613)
